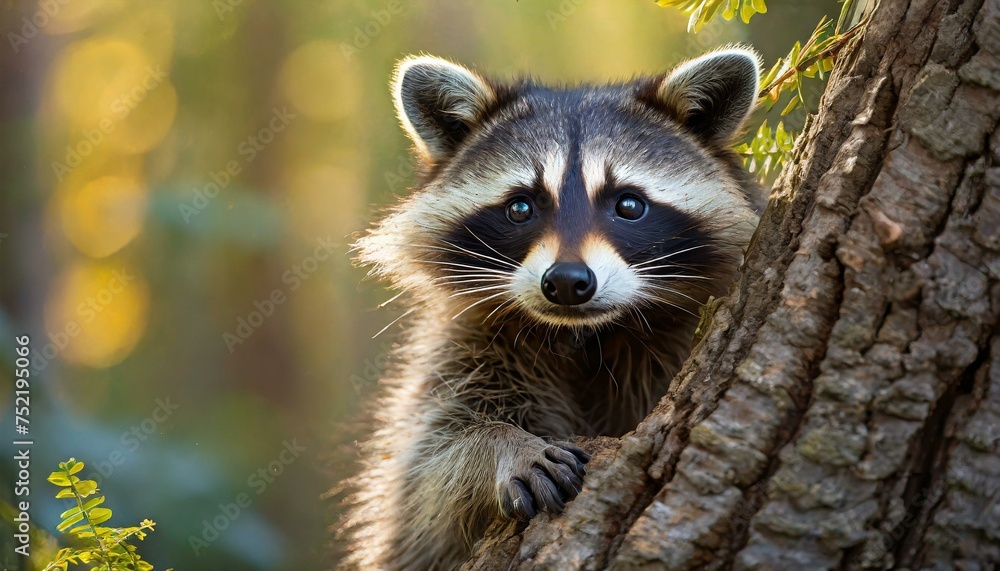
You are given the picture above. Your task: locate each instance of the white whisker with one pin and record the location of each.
(477, 268)
(477, 290)
(677, 253)
(656, 300)
(468, 277)
(393, 322)
(483, 256)
(513, 261)
(673, 276)
(672, 291)
(485, 299)
(505, 303)
(390, 300)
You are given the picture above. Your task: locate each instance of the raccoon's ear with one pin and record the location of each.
(714, 94)
(439, 103)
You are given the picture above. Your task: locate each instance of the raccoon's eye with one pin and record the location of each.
(630, 207)
(519, 211)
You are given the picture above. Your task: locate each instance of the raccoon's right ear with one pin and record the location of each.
(711, 95)
(439, 103)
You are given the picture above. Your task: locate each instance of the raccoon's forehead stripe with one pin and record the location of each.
(553, 173)
(595, 174)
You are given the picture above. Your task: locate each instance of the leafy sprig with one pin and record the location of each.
(102, 547)
(768, 150)
(810, 60)
(701, 12)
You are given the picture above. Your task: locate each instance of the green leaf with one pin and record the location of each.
(793, 104)
(104, 531)
(59, 479)
(70, 522)
(99, 515)
(702, 12)
(66, 493)
(71, 511)
(731, 9)
(82, 531)
(768, 150)
(713, 8)
(86, 487)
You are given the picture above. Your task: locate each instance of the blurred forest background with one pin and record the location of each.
(180, 181)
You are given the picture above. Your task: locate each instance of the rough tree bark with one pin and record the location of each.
(844, 409)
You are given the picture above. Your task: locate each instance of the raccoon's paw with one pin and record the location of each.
(544, 476)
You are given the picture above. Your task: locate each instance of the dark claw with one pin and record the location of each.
(518, 502)
(580, 453)
(555, 477)
(545, 490)
(568, 481)
(561, 456)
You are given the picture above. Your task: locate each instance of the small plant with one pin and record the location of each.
(768, 150)
(701, 12)
(100, 547)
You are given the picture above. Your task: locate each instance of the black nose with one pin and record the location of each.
(569, 283)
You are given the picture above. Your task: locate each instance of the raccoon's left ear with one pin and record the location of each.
(712, 95)
(439, 103)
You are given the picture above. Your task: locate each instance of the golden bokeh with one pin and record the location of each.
(320, 81)
(99, 310)
(103, 215)
(90, 75)
(113, 94)
(148, 121)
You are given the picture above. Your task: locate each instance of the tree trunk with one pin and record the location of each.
(843, 410)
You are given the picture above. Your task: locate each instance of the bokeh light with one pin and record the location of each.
(113, 94)
(103, 215)
(100, 309)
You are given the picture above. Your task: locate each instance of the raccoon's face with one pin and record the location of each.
(572, 207)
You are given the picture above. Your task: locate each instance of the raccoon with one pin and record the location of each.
(554, 252)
